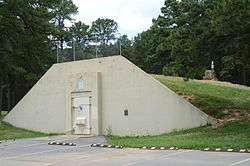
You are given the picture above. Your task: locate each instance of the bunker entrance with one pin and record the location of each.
(81, 113)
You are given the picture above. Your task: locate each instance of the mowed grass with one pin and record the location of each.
(8, 131)
(211, 97)
(231, 135)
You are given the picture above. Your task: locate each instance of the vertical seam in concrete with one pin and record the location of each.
(99, 101)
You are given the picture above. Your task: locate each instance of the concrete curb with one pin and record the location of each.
(205, 149)
(158, 148)
(106, 146)
(61, 143)
(226, 150)
(175, 148)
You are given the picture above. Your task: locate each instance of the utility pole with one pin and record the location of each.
(57, 52)
(120, 47)
(74, 50)
(120, 44)
(96, 51)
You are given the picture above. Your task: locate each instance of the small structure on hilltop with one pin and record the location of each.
(102, 96)
(210, 74)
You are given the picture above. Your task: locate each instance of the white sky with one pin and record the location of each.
(133, 16)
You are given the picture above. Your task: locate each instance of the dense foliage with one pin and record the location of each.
(182, 41)
(33, 33)
(25, 48)
(189, 34)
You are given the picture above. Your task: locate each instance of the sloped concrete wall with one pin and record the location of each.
(152, 108)
(43, 108)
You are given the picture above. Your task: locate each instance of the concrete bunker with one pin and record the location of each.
(101, 96)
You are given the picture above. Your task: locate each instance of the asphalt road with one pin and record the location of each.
(36, 152)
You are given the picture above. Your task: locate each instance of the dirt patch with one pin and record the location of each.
(189, 98)
(232, 115)
(228, 115)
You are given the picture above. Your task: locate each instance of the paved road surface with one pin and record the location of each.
(36, 152)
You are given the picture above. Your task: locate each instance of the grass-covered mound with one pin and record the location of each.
(212, 97)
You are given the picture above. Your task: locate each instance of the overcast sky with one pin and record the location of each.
(133, 16)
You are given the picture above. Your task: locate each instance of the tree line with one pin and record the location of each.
(33, 32)
(189, 34)
(182, 41)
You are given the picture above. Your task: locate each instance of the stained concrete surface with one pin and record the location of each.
(36, 152)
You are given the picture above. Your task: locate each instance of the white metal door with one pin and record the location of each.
(81, 114)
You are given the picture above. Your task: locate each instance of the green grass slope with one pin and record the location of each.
(228, 102)
(8, 132)
(212, 97)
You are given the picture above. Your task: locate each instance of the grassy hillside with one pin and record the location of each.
(212, 97)
(228, 102)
